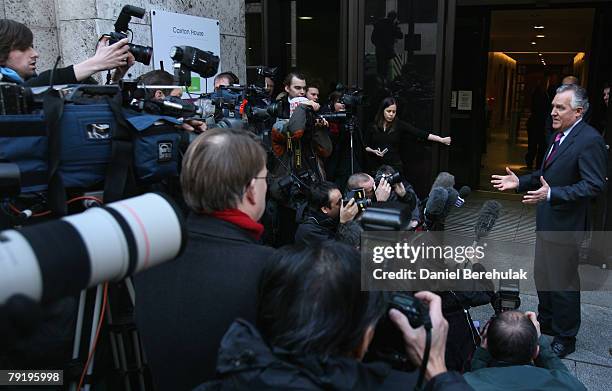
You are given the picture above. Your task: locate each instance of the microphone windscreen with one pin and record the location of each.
(436, 203)
(444, 179)
(464, 191)
(486, 218)
(451, 200)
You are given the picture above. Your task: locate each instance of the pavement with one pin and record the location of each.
(592, 360)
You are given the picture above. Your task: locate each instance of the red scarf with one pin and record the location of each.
(240, 219)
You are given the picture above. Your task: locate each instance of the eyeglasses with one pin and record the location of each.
(268, 178)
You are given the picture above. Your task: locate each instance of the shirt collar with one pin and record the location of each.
(11, 74)
(568, 130)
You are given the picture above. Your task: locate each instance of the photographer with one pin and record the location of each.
(402, 192)
(327, 216)
(513, 355)
(361, 180)
(314, 325)
(295, 86)
(184, 307)
(18, 58)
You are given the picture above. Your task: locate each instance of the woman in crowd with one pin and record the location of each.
(387, 134)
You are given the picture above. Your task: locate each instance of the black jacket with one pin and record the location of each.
(246, 362)
(60, 76)
(184, 307)
(317, 227)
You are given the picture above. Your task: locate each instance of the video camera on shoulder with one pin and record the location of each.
(388, 343)
(360, 199)
(352, 97)
(141, 53)
(16, 99)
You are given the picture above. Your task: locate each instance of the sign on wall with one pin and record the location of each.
(170, 29)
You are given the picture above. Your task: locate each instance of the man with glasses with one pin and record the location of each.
(184, 307)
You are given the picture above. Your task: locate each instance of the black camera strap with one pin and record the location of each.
(120, 180)
(53, 107)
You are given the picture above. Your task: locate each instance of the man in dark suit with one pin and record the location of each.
(573, 172)
(184, 307)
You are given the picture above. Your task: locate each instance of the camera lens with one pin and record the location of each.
(141, 53)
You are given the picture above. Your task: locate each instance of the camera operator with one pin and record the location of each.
(295, 86)
(163, 78)
(225, 79)
(314, 326)
(326, 217)
(184, 307)
(513, 355)
(18, 58)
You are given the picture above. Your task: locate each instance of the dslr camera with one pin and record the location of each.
(391, 179)
(141, 53)
(360, 199)
(388, 342)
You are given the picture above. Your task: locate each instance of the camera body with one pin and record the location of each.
(507, 298)
(388, 343)
(141, 53)
(360, 199)
(189, 59)
(15, 99)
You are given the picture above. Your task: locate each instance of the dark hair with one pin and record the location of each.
(310, 300)
(379, 120)
(13, 36)
(233, 79)
(217, 167)
(512, 338)
(319, 194)
(157, 78)
(333, 98)
(291, 75)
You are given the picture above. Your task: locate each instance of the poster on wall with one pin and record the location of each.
(170, 29)
(464, 100)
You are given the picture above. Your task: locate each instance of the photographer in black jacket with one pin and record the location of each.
(314, 326)
(326, 217)
(18, 59)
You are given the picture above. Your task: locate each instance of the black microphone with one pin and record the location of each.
(464, 192)
(453, 198)
(486, 218)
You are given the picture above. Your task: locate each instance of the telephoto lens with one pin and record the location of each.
(58, 258)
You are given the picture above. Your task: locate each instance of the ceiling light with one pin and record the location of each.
(533, 42)
(540, 36)
(305, 17)
(540, 54)
(538, 27)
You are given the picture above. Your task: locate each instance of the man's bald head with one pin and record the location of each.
(512, 338)
(571, 79)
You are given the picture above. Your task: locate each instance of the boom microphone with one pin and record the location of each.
(445, 180)
(434, 208)
(486, 218)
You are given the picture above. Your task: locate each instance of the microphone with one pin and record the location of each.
(435, 206)
(453, 198)
(486, 218)
(445, 180)
(464, 192)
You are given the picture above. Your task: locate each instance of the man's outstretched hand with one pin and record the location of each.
(505, 182)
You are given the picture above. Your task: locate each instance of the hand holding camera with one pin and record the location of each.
(348, 211)
(415, 339)
(383, 190)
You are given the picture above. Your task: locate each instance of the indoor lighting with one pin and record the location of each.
(533, 42)
(540, 36)
(540, 54)
(305, 17)
(538, 27)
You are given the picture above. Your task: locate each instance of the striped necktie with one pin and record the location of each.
(554, 148)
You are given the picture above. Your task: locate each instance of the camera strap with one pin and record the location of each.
(53, 107)
(120, 180)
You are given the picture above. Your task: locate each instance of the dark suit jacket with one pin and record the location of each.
(184, 307)
(575, 174)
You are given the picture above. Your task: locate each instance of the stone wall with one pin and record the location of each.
(71, 28)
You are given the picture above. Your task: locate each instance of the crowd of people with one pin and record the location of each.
(234, 313)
